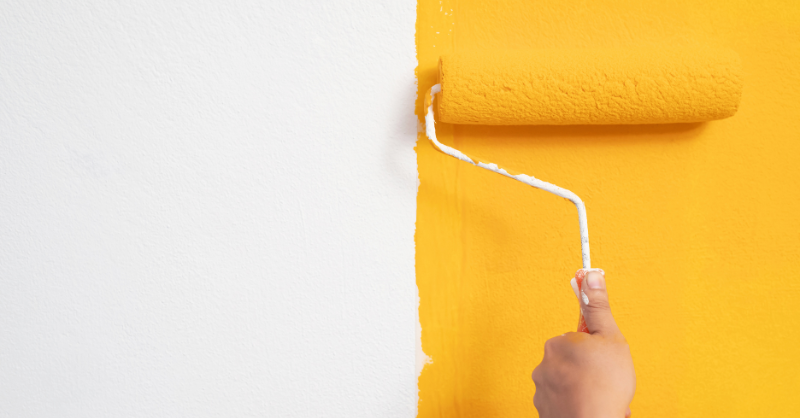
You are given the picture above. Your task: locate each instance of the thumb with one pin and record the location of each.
(594, 303)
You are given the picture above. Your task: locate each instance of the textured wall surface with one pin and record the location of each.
(207, 209)
(695, 225)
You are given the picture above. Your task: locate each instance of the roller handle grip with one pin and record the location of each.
(582, 325)
(579, 276)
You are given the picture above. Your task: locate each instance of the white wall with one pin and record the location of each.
(207, 209)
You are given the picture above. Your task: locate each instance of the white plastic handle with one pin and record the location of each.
(430, 130)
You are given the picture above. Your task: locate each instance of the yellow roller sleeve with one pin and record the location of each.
(571, 87)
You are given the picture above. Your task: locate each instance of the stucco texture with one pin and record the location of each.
(695, 224)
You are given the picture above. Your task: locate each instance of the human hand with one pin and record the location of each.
(587, 375)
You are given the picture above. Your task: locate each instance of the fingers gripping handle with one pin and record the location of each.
(577, 287)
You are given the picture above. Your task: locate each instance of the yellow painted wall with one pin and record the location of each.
(697, 226)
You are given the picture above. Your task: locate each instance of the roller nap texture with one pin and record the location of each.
(574, 87)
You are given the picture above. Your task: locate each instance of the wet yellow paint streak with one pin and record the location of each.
(697, 226)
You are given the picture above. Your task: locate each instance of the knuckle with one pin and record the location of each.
(553, 342)
(551, 347)
(548, 345)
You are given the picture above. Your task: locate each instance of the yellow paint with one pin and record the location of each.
(697, 226)
(589, 86)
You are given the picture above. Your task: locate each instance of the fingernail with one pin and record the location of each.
(595, 280)
(574, 285)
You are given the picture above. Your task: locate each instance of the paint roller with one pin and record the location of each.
(582, 87)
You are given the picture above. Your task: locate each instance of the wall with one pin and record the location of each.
(696, 225)
(207, 209)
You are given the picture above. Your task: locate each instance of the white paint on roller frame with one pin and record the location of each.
(208, 209)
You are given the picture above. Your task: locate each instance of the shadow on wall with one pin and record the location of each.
(597, 134)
